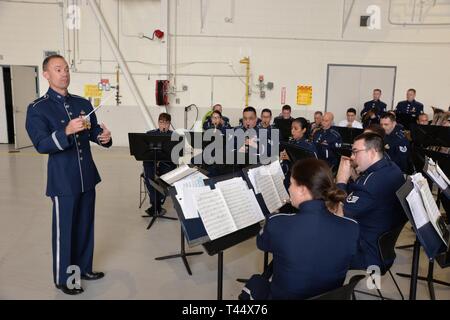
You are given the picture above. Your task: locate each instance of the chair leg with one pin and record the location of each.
(378, 290)
(396, 284)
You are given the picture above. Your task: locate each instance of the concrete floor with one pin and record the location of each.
(124, 249)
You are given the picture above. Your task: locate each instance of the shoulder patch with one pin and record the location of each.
(351, 198)
(37, 101)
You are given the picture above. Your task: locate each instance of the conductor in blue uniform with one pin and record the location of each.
(58, 126)
(312, 249)
(371, 181)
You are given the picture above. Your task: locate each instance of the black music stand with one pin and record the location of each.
(296, 153)
(348, 134)
(407, 120)
(195, 232)
(171, 191)
(426, 237)
(284, 125)
(152, 147)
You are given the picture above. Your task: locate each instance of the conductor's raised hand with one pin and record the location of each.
(74, 126)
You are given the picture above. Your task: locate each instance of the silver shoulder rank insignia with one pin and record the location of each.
(352, 199)
(403, 148)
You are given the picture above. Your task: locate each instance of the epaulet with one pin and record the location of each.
(38, 100)
(79, 97)
(400, 134)
(367, 178)
(337, 134)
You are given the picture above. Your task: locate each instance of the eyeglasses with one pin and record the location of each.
(354, 152)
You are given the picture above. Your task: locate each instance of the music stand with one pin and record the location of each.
(429, 135)
(426, 237)
(348, 134)
(153, 147)
(171, 191)
(284, 125)
(405, 119)
(296, 153)
(196, 234)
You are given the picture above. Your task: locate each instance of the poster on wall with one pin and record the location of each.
(304, 95)
(93, 93)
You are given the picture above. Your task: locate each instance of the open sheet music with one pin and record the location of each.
(186, 188)
(420, 199)
(268, 180)
(437, 175)
(177, 174)
(230, 207)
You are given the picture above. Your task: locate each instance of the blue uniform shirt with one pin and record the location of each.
(312, 250)
(397, 148)
(71, 169)
(326, 142)
(405, 107)
(379, 106)
(372, 202)
(208, 124)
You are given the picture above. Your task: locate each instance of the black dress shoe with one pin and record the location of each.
(68, 291)
(151, 211)
(92, 276)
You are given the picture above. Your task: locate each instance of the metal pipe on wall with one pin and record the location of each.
(121, 62)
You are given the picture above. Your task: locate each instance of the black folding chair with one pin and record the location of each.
(343, 293)
(386, 248)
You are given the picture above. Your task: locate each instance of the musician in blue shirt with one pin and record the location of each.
(207, 121)
(373, 109)
(312, 249)
(409, 107)
(60, 124)
(216, 122)
(299, 128)
(396, 145)
(162, 167)
(370, 181)
(327, 140)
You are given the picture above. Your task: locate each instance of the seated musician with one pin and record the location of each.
(156, 199)
(312, 249)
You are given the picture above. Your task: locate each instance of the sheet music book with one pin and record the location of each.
(417, 208)
(177, 174)
(437, 175)
(431, 208)
(186, 188)
(269, 181)
(230, 207)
